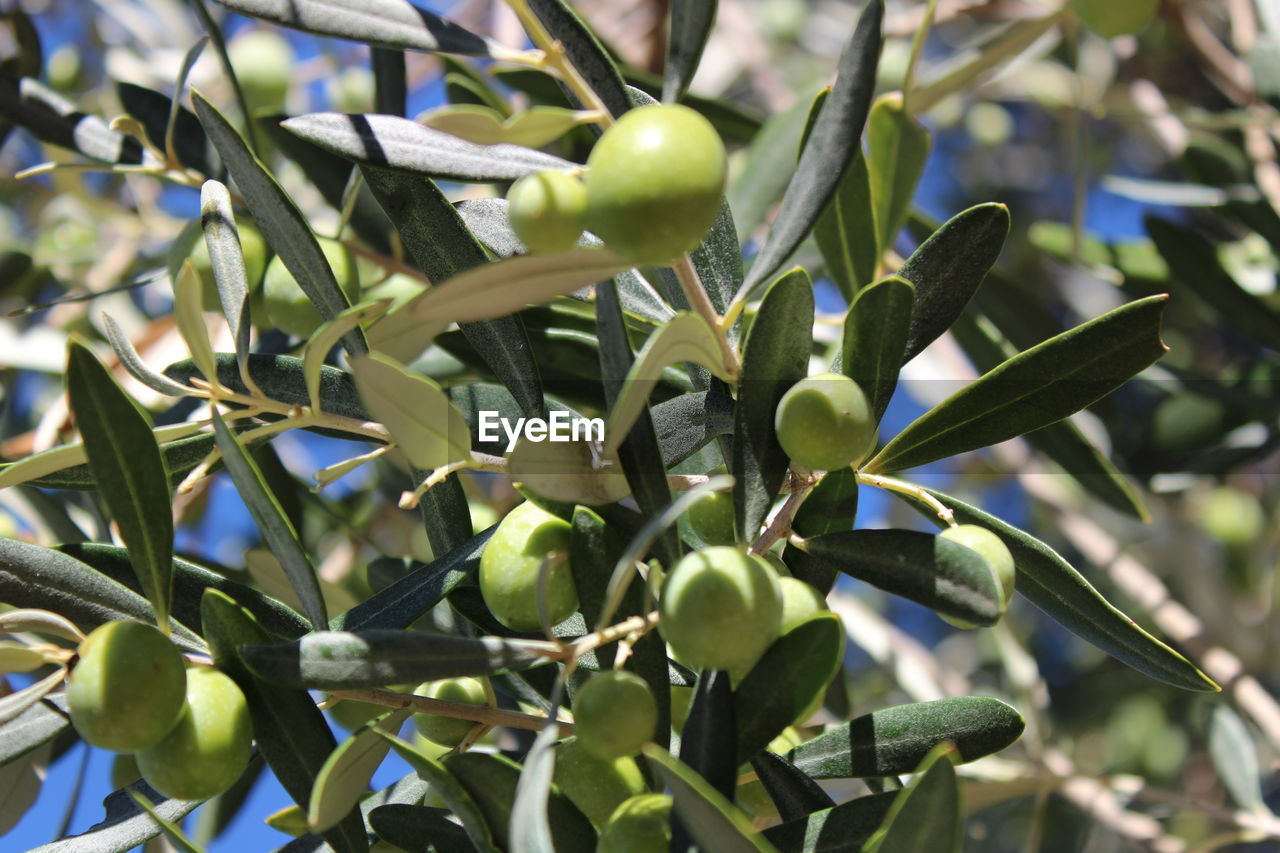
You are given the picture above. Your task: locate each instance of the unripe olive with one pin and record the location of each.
(654, 183)
(548, 211)
(209, 747)
(595, 785)
(124, 769)
(510, 563)
(1233, 517)
(1110, 19)
(264, 64)
(614, 714)
(825, 422)
(710, 518)
(642, 824)
(449, 731)
(799, 602)
(351, 714)
(992, 549)
(127, 690)
(681, 705)
(288, 307)
(721, 609)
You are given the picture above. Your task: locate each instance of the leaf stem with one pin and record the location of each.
(911, 490)
(698, 300)
(551, 56)
(454, 710)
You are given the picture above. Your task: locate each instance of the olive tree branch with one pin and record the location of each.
(454, 710)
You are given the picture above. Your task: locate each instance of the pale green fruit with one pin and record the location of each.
(681, 704)
(209, 748)
(711, 518)
(614, 714)
(1232, 516)
(449, 731)
(996, 555)
(654, 183)
(721, 609)
(510, 563)
(264, 63)
(547, 211)
(642, 824)
(799, 602)
(127, 690)
(1112, 18)
(825, 423)
(124, 769)
(595, 785)
(289, 308)
(350, 90)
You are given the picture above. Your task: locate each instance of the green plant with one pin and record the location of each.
(288, 307)
(448, 731)
(642, 824)
(596, 785)
(527, 538)
(825, 423)
(615, 714)
(208, 749)
(126, 691)
(548, 211)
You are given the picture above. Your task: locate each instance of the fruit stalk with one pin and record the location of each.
(696, 294)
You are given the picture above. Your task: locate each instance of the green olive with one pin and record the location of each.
(127, 690)
(548, 211)
(614, 714)
(681, 704)
(1110, 19)
(642, 824)
(209, 748)
(595, 785)
(124, 769)
(510, 564)
(993, 552)
(351, 714)
(721, 609)
(449, 731)
(799, 602)
(825, 423)
(288, 307)
(710, 519)
(191, 244)
(654, 183)
(264, 64)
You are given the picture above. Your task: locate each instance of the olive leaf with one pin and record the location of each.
(154, 110)
(875, 339)
(845, 827)
(1035, 388)
(348, 769)
(531, 128)
(125, 825)
(28, 103)
(396, 24)
(570, 472)
(690, 27)
(713, 821)
(794, 794)
(426, 427)
(67, 467)
(188, 312)
(128, 471)
(584, 52)
(391, 142)
(897, 148)
(927, 815)
(40, 723)
(415, 828)
(846, 230)
(226, 259)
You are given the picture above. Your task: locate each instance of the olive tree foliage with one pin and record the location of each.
(354, 273)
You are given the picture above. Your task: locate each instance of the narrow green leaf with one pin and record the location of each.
(927, 569)
(947, 268)
(129, 472)
(152, 109)
(348, 769)
(1054, 585)
(794, 794)
(771, 162)
(1036, 388)
(685, 337)
(226, 259)
(827, 154)
(585, 52)
(714, 822)
(895, 740)
(709, 740)
(26, 102)
(690, 27)
(276, 528)
(391, 142)
(395, 24)
(928, 815)
(188, 312)
(326, 337)
(531, 128)
(784, 682)
(419, 829)
(15, 704)
(842, 829)
(846, 231)
(775, 355)
(133, 362)
(530, 826)
(290, 731)
(689, 422)
(569, 472)
(68, 466)
(875, 339)
(337, 660)
(19, 657)
(897, 148)
(427, 428)
(455, 796)
(172, 831)
(1236, 758)
(39, 622)
(283, 225)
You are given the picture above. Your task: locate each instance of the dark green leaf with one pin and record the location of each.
(128, 470)
(179, 458)
(585, 52)
(927, 815)
(875, 339)
(842, 829)
(395, 24)
(686, 424)
(390, 83)
(28, 103)
(452, 792)
(691, 23)
(775, 356)
(335, 660)
(837, 133)
(1035, 388)
(394, 143)
(709, 740)
(784, 682)
(897, 148)
(1053, 585)
(846, 230)
(714, 822)
(938, 573)
(124, 826)
(290, 731)
(226, 260)
(282, 224)
(346, 772)
(794, 794)
(270, 518)
(832, 505)
(894, 741)
(948, 267)
(419, 829)
(190, 143)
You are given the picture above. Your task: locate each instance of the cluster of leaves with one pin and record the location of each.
(686, 364)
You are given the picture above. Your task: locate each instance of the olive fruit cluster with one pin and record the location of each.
(825, 423)
(130, 692)
(510, 564)
(993, 552)
(652, 190)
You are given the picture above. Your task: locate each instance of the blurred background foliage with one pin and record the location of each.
(1132, 163)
